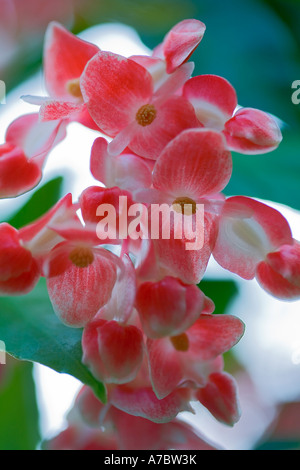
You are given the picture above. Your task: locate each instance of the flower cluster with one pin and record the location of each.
(165, 141)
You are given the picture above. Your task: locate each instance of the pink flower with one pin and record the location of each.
(23, 155)
(191, 170)
(247, 130)
(88, 414)
(119, 94)
(279, 273)
(74, 269)
(192, 356)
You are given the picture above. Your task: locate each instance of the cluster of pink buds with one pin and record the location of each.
(124, 261)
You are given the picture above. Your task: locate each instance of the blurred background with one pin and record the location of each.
(255, 44)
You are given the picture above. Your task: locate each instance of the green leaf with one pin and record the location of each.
(19, 413)
(39, 203)
(274, 176)
(31, 331)
(221, 291)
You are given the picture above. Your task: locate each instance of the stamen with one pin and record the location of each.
(73, 88)
(180, 342)
(146, 115)
(81, 256)
(185, 205)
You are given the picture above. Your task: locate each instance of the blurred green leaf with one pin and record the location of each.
(279, 445)
(39, 203)
(19, 414)
(274, 176)
(31, 331)
(221, 291)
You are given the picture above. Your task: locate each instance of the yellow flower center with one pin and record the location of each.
(81, 256)
(185, 205)
(146, 115)
(180, 342)
(73, 88)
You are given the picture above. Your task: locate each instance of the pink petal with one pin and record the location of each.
(34, 137)
(74, 291)
(37, 237)
(212, 335)
(155, 66)
(181, 41)
(17, 174)
(17, 131)
(219, 396)
(168, 307)
(213, 98)
(252, 131)
(279, 273)
(121, 303)
(176, 80)
(177, 260)
(171, 368)
(248, 231)
(114, 88)
(143, 402)
(127, 171)
(113, 352)
(174, 115)
(194, 164)
(53, 110)
(14, 258)
(65, 57)
(24, 283)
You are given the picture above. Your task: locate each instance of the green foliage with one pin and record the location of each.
(39, 203)
(221, 291)
(19, 428)
(32, 332)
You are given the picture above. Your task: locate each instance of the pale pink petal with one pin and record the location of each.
(122, 301)
(142, 402)
(37, 237)
(65, 57)
(195, 164)
(219, 396)
(213, 98)
(127, 171)
(252, 131)
(248, 231)
(175, 81)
